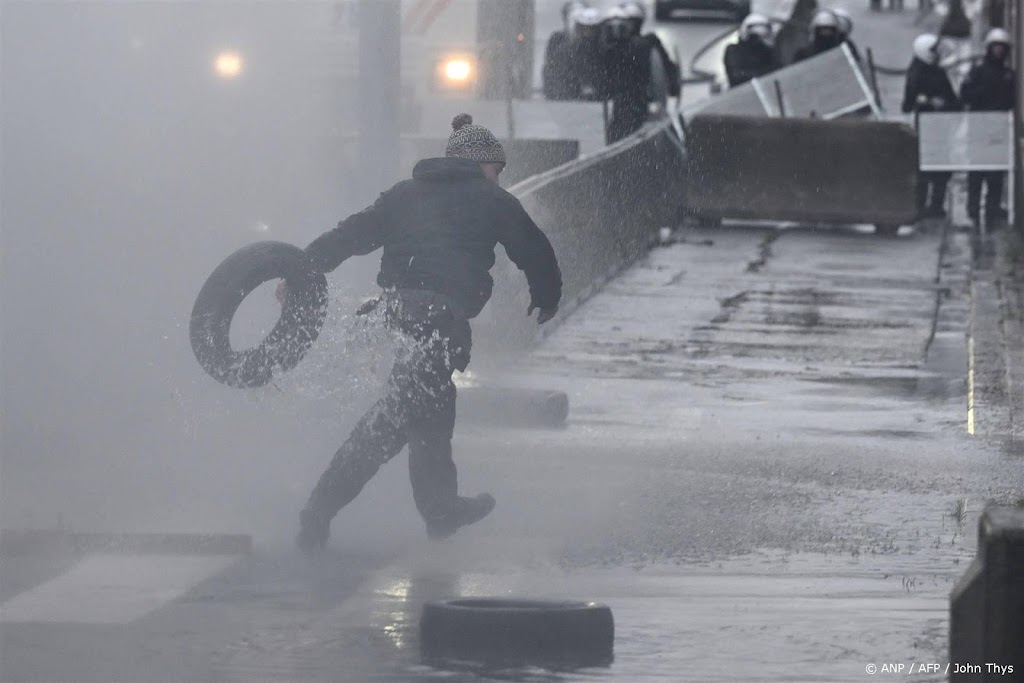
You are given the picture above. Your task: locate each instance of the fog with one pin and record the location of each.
(130, 170)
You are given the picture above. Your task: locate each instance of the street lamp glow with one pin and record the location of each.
(458, 70)
(228, 64)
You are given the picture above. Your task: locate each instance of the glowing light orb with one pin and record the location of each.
(457, 70)
(228, 64)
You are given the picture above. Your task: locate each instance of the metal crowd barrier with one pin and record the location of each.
(965, 141)
(827, 86)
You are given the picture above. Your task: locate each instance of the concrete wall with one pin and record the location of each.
(601, 213)
(986, 612)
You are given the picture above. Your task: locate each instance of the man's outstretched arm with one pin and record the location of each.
(359, 234)
(530, 250)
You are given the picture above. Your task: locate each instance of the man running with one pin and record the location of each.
(438, 231)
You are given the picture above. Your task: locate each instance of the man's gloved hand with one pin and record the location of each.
(368, 306)
(545, 314)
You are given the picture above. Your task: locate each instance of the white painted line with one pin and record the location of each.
(970, 363)
(113, 589)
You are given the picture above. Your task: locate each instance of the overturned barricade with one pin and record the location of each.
(803, 170)
(828, 86)
(601, 213)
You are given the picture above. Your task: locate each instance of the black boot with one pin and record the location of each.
(467, 511)
(995, 219)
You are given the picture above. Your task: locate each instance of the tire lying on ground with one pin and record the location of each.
(302, 314)
(508, 632)
(513, 406)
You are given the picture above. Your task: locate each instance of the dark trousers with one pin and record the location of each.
(935, 182)
(629, 114)
(417, 408)
(993, 196)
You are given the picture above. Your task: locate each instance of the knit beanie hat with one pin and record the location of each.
(473, 142)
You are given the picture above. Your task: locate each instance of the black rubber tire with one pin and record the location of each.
(235, 278)
(513, 407)
(514, 632)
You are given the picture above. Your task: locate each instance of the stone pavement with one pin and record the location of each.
(996, 322)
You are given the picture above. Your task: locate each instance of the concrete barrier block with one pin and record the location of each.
(809, 170)
(986, 630)
(601, 212)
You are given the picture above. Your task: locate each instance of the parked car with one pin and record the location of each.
(665, 10)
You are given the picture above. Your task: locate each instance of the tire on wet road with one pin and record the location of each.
(516, 632)
(302, 314)
(513, 406)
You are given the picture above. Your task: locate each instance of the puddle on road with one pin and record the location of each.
(871, 433)
(685, 623)
(893, 386)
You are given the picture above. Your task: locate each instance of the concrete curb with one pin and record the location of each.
(1010, 286)
(986, 634)
(41, 541)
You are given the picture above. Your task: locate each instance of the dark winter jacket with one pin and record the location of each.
(561, 81)
(932, 82)
(749, 59)
(672, 73)
(439, 230)
(817, 46)
(626, 67)
(989, 87)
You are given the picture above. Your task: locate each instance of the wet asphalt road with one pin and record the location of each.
(766, 448)
(759, 475)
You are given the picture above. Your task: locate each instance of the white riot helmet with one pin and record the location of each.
(845, 21)
(756, 25)
(571, 8)
(634, 10)
(616, 24)
(997, 35)
(927, 48)
(635, 14)
(615, 14)
(569, 12)
(824, 19)
(589, 16)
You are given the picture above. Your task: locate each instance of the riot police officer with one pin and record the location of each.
(989, 86)
(753, 55)
(825, 36)
(559, 73)
(626, 67)
(928, 89)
